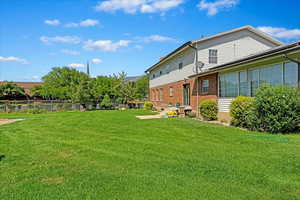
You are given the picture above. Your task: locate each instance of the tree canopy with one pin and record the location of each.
(10, 90)
(69, 84)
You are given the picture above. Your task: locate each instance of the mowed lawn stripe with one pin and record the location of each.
(114, 155)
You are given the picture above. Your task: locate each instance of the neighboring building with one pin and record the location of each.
(172, 79)
(26, 86)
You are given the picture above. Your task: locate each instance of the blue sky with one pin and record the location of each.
(123, 35)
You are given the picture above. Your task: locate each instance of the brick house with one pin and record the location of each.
(26, 86)
(185, 75)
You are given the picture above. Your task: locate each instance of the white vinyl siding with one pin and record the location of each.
(224, 104)
(229, 47)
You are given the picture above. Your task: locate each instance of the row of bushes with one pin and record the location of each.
(274, 110)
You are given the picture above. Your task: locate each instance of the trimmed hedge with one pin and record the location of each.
(273, 110)
(276, 109)
(209, 109)
(148, 105)
(241, 109)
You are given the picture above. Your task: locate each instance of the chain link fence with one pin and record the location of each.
(54, 106)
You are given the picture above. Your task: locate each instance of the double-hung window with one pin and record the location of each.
(213, 56)
(204, 86)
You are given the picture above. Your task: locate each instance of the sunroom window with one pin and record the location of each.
(245, 83)
(291, 74)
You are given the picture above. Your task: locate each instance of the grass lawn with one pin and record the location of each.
(113, 155)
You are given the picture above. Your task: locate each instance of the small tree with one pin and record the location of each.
(106, 102)
(142, 87)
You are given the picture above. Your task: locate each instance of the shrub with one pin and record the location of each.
(241, 109)
(36, 111)
(276, 109)
(106, 102)
(209, 109)
(148, 105)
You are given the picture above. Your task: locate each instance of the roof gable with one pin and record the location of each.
(189, 43)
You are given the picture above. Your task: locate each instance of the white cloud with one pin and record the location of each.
(61, 39)
(214, 7)
(158, 38)
(105, 45)
(53, 22)
(96, 61)
(282, 33)
(84, 23)
(138, 47)
(89, 22)
(70, 52)
(13, 59)
(133, 6)
(70, 25)
(76, 65)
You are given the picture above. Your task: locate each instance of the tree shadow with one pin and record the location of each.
(2, 157)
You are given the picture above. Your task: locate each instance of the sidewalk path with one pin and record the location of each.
(8, 121)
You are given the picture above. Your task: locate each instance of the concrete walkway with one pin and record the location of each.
(8, 121)
(158, 116)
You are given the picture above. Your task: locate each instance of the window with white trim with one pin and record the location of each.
(213, 56)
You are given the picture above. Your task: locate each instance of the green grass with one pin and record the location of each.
(113, 155)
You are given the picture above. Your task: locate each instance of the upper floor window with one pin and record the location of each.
(204, 86)
(180, 65)
(153, 75)
(160, 73)
(213, 56)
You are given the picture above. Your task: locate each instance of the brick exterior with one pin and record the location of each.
(161, 96)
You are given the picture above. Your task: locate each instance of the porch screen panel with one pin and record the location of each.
(244, 89)
(291, 74)
(222, 86)
(271, 75)
(229, 85)
(253, 76)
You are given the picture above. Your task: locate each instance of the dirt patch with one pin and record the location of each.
(57, 180)
(64, 154)
(8, 121)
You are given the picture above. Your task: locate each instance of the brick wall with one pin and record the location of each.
(161, 96)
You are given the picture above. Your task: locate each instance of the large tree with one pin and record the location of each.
(101, 86)
(67, 84)
(126, 89)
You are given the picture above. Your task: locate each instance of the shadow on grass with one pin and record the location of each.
(2, 157)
